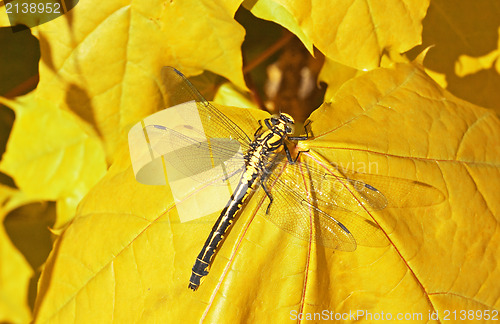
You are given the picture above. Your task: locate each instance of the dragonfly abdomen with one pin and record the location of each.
(221, 227)
(256, 159)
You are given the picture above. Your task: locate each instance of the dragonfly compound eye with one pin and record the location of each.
(274, 119)
(287, 118)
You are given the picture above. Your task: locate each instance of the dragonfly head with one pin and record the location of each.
(284, 120)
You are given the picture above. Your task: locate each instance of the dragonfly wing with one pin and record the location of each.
(177, 88)
(306, 207)
(367, 192)
(207, 161)
(293, 211)
(348, 197)
(195, 137)
(344, 192)
(215, 123)
(399, 193)
(364, 231)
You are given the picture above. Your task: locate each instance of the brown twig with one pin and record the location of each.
(23, 87)
(268, 52)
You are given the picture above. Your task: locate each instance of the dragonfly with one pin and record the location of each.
(332, 210)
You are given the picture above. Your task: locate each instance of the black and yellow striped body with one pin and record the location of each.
(257, 161)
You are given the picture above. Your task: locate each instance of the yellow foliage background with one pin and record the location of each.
(412, 86)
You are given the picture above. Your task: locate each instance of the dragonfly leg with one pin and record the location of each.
(268, 195)
(289, 156)
(301, 138)
(258, 129)
(297, 138)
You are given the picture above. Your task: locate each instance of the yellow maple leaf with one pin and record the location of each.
(95, 97)
(408, 125)
(4, 19)
(99, 62)
(99, 74)
(466, 44)
(335, 75)
(15, 272)
(24, 246)
(438, 256)
(51, 154)
(353, 33)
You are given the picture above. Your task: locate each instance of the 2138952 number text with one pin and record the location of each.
(32, 8)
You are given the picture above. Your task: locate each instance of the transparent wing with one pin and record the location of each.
(399, 193)
(311, 202)
(309, 213)
(195, 137)
(215, 124)
(206, 160)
